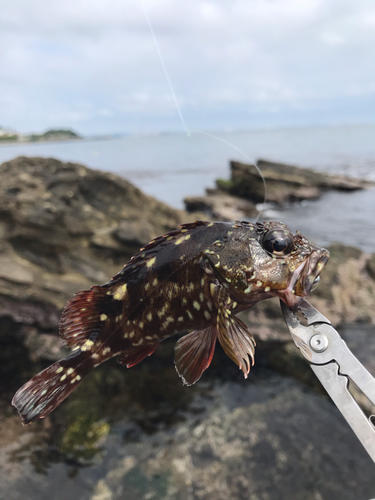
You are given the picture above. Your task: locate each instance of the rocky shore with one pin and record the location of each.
(285, 184)
(139, 433)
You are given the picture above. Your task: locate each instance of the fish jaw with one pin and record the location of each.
(304, 277)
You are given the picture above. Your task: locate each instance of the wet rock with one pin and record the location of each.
(263, 442)
(269, 437)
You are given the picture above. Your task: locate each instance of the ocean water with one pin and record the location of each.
(173, 166)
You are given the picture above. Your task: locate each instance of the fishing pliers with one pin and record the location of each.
(334, 364)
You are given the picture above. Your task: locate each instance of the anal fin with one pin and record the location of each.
(193, 354)
(135, 355)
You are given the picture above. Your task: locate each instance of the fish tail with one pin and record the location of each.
(46, 390)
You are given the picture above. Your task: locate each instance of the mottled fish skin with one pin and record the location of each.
(195, 279)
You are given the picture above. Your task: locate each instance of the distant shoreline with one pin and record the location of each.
(17, 142)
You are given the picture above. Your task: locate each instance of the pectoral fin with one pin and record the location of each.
(237, 342)
(193, 354)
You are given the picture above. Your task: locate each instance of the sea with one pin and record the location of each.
(173, 166)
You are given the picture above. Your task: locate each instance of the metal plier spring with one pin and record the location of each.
(333, 363)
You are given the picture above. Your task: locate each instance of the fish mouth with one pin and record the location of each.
(305, 278)
(310, 275)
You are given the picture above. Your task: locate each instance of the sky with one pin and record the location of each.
(92, 65)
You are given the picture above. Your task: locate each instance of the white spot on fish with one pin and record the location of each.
(267, 289)
(179, 241)
(103, 317)
(207, 315)
(151, 262)
(69, 371)
(162, 311)
(196, 305)
(59, 370)
(62, 378)
(149, 316)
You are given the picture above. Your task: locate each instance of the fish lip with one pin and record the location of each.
(288, 295)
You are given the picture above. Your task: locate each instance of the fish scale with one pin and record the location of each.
(196, 278)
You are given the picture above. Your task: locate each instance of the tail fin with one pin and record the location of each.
(46, 390)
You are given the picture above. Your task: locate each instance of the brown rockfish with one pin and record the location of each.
(196, 278)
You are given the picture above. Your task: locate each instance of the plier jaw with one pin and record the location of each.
(334, 364)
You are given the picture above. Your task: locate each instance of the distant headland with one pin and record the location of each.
(8, 135)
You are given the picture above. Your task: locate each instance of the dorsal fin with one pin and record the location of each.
(82, 317)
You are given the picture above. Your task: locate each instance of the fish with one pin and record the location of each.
(194, 279)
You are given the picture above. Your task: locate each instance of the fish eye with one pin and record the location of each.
(278, 242)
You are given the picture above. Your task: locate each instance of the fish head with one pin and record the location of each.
(283, 264)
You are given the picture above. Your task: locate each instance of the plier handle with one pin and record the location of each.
(334, 363)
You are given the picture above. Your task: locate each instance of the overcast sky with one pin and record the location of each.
(92, 65)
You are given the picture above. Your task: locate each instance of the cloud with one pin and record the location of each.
(233, 63)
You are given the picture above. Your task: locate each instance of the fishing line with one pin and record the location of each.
(180, 114)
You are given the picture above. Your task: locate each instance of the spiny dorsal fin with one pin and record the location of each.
(150, 250)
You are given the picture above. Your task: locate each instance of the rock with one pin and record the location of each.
(63, 228)
(370, 266)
